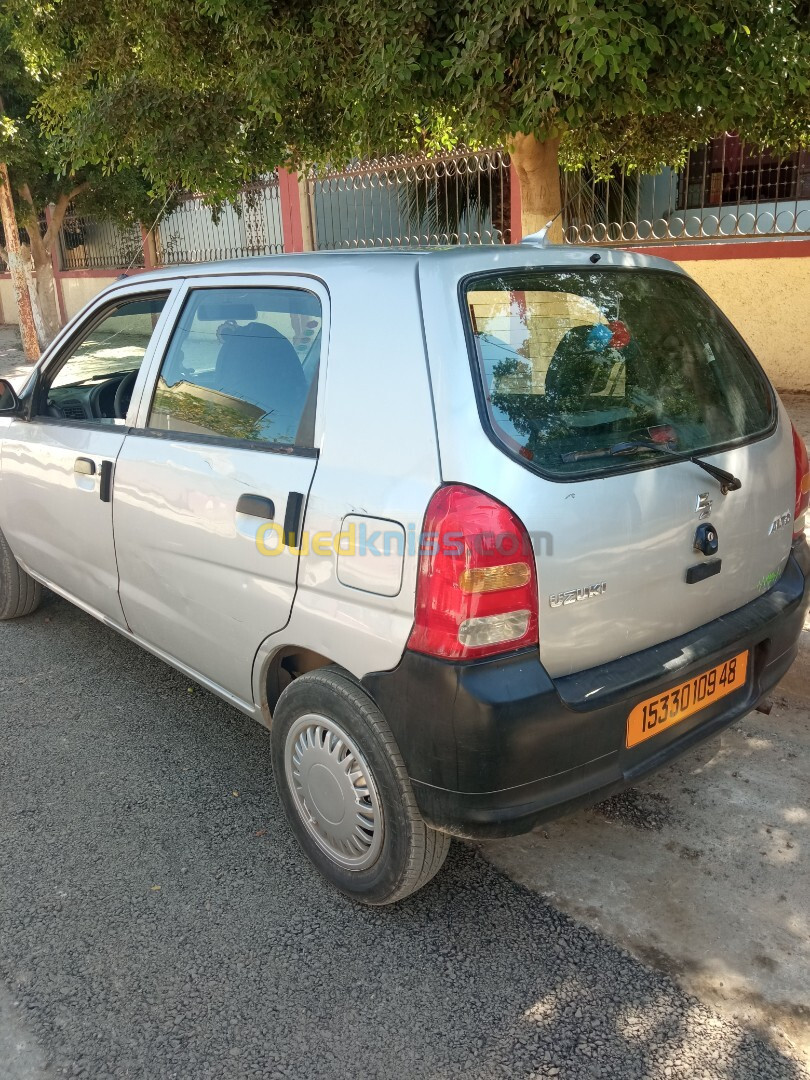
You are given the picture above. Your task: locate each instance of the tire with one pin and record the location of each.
(19, 593)
(329, 738)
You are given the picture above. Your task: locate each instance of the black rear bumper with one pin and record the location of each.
(493, 747)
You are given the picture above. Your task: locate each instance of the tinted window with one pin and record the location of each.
(242, 364)
(585, 370)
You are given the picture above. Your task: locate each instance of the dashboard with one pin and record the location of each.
(93, 399)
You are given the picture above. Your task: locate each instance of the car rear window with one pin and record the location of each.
(587, 371)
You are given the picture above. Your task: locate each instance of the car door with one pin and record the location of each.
(58, 465)
(217, 469)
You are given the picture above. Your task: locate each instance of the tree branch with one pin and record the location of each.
(25, 191)
(58, 213)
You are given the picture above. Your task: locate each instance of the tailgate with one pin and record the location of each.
(604, 386)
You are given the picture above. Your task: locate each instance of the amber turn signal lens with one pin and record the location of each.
(494, 578)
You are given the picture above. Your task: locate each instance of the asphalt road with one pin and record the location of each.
(157, 919)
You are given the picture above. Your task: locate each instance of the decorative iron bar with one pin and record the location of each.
(251, 225)
(95, 244)
(726, 190)
(406, 202)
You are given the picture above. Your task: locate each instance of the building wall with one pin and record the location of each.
(768, 300)
(766, 295)
(77, 291)
(8, 305)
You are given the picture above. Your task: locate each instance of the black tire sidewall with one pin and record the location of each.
(350, 707)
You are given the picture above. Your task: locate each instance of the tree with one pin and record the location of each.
(45, 183)
(208, 93)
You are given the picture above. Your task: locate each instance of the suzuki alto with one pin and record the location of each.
(480, 535)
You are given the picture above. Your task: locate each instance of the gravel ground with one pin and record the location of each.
(157, 919)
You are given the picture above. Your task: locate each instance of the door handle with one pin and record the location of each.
(292, 519)
(105, 482)
(256, 506)
(84, 466)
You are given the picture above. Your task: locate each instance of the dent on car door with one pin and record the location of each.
(221, 462)
(58, 465)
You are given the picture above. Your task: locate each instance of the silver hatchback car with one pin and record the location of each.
(479, 534)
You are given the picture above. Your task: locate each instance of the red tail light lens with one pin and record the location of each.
(802, 483)
(476, 592)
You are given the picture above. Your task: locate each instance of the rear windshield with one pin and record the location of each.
(586, 371)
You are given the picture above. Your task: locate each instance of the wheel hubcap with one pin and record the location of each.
(334, 791)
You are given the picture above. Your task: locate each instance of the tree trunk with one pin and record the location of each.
(49, 322)
(19, 267)
(537, 165)
(32, 285)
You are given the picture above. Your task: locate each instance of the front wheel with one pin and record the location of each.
(346, 791)
(19, 593)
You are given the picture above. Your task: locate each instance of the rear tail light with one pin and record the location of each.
(476, 592)
(802, 483)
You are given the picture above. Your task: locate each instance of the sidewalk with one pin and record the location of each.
(13, 364)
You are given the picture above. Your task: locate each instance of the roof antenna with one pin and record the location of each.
(541, 237)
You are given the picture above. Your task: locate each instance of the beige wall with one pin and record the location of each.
(8, 305)
(768, 300)
(76, 291)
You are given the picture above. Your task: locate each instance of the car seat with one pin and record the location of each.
(258, 365)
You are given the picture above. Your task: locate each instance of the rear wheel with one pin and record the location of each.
(19, 593)
(346, 791)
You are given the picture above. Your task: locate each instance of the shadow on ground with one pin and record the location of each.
(157, 920)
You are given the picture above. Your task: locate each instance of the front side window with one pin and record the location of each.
(583, 371)
(242, 364)
(95, 381)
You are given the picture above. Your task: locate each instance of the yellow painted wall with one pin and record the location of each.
(768, 300)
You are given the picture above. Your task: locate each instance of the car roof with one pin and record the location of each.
(458, 260)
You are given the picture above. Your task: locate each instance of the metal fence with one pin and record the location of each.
(400, 201)
(726, 190)
(94, 244)
(249, 226)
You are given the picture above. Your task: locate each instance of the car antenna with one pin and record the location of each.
(541, 237)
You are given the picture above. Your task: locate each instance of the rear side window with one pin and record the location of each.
(242, 364)
(584, 371)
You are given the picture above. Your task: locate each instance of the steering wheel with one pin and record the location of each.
(123, 394)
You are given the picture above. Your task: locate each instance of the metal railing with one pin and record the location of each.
(406, 202)
(249, 226)
(726, 190)
(87, 243)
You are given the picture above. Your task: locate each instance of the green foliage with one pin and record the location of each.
(205, 94)
(39, 159)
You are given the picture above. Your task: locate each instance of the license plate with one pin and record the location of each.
(665, 710)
